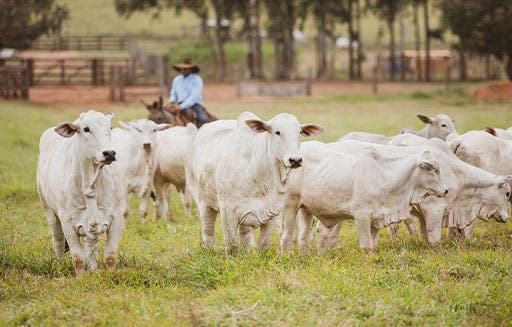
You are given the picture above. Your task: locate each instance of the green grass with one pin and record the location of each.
(165, 277)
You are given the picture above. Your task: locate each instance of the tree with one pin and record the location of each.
(483, 27)
(223, 9)
(387, 10)
(282, 18)
(250, 12)
(22, 23)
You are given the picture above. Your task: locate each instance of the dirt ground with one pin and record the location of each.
(96, 96)
(498, 90)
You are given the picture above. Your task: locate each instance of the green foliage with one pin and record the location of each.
(165, 277)
(22, 23)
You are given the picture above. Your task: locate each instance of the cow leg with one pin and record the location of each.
(393, 230)
(289, 221)
(58, 240)
(186, 200)
(305, 222)
(409, 222)
(246, 235)
(230, 228)
(423, 229)
(266, 234)
(375, 237)
(113, 238)
(163, 194)
(364, 230)
(468, 231)
(91, 251)
(75, 248)
(208, 217)
(143, 207)
(327, 237)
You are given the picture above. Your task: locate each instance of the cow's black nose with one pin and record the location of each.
(445, 191)
(109, 155)
(147, 145)
(295, 162)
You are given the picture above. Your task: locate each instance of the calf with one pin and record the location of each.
(439, 126)
(135, 143)
(79, 192)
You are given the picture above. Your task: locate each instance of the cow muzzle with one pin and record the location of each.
(146, 146)
(501, 216)
(294, 162)
(109, 156)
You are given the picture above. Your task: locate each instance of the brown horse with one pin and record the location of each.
(172, 114)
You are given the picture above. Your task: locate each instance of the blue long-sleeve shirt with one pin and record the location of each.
(187, 91)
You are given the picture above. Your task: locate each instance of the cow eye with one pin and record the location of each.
(154, 130)
(508, 195)
(443, 125)
(87, 130)
(278, 133)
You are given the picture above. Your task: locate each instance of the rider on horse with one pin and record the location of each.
(186, 91)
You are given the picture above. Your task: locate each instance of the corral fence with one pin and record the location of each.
(126, 82)
(83, 43)
(14, 80)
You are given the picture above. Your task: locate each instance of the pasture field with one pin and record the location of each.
(164, 277)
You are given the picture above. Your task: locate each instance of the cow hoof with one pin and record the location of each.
(111, 262)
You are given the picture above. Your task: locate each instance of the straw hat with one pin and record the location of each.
(187, 63)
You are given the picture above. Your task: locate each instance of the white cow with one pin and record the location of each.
(135, 143)
(503, 133)
(242, 167)
(372, 187)
(439, 126)
(79, 191)
(481, 149)
(473, 193)
(174, 162)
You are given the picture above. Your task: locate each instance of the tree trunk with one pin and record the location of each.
(359, 41)
(332, 62)
(417, 40)
(289, 43)
(392, 50)
(350, 41)
(509, 66)
(255, 56)
(427, 40)
(220, 40)
(463, 75)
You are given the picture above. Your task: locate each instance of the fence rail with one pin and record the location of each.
(83, 43)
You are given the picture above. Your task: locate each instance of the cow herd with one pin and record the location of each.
(255, 173)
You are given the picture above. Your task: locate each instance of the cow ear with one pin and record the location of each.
(311, 130)
(66, 129)
(162, 127)
(110, 115)
(490, 130)
(258, 126)
(425, 119)
(125, 126)
(427, 165)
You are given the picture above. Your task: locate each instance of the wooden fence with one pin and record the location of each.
(14, 81)
(82, 43)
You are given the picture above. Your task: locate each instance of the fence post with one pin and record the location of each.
(402, 66)
(30, 70)
(98, 43)
(112, 83)
(25, 82)
(62, 72)
(309, 80)
(121, 83)
(374, 81)
(94, 71)
(161, 75)
(447, 79)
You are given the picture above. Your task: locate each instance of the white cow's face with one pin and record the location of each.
(495, 200)
(440, 126)
(93, 130)
(285, 131)
(143, 132)
(429, 179)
